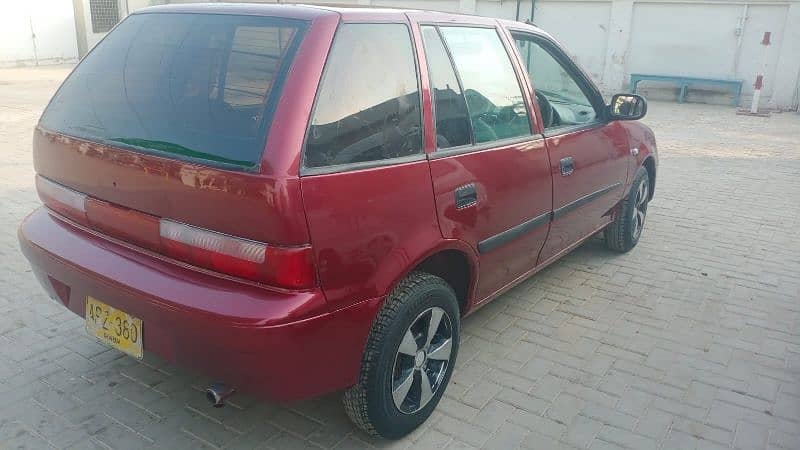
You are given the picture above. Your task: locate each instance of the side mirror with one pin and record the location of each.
(627, 107)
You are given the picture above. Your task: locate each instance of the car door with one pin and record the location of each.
(589, 156)
(490, 172)
(365, 178)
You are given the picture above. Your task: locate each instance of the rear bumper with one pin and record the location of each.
(277, 345)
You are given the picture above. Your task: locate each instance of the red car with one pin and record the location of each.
(295, 200)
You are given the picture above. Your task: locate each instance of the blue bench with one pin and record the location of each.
(734, 85)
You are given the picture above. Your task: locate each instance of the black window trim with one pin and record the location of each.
(491, 145)
(484, 146)
(349, 167)
(584, 83)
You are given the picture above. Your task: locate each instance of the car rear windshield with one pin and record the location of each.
(187, 86)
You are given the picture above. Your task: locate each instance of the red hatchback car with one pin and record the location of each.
(296, 200)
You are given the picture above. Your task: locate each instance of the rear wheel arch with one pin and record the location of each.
(455, 268)
(455, 263)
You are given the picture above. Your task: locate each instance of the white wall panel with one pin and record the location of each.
(434, 5)
(582, 27)
(51, 21)
(15, 34)
(505, 9)
(761, 19)
(683, 39)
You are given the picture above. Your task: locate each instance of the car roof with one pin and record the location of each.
(311, 12)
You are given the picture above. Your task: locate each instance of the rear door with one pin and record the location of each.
(589, 156)
(490, 172)
(365, 179)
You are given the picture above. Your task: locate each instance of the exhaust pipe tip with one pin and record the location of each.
(217, 393)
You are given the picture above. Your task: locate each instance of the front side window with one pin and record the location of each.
(494, 99)
(561, 99)
(367, 106)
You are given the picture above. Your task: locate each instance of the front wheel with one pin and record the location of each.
(409, 358)
(623, 234)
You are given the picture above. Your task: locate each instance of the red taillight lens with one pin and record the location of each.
(63, 200)
(288, 267)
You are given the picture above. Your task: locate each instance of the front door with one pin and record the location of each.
(491, 174)
(589, 156)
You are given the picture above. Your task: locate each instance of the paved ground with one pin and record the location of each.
(692, 340)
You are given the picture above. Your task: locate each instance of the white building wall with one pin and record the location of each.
(589, 47)
(761, 18)
(37, 32)
(609, 38)
(787, 73)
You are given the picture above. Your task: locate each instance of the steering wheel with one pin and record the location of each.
(546, 109)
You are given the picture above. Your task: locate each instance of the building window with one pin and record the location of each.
(105, 14)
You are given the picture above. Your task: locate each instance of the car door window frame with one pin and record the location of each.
(361, 165)
(568, 65)
(473, 146)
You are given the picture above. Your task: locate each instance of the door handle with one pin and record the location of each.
(567, 166)
(466, 196)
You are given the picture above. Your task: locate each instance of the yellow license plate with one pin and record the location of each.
(114, 328)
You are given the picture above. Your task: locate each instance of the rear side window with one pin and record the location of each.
(190, 86)
(367, 106)
(494, 98)
(452, 117)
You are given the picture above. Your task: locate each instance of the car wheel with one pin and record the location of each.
(623, 234)
(408, 359)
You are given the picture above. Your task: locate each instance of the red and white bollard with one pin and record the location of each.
(760, 76)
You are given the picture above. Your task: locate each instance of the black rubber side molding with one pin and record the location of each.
(575, 204)
(510, 234)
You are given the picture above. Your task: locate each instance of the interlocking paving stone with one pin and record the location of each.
(691, 340)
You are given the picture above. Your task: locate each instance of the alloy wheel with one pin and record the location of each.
(640, 208)
(422, 360)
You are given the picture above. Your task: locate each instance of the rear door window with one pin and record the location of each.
(367, 107)
(450, 107)
(496, 106)
(188, 86)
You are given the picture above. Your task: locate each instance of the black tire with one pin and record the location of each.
(370, 403)
(623, 234)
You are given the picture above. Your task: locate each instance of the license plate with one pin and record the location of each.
(114, 328)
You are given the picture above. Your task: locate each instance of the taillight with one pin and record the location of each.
(288, 267)
(63, 200)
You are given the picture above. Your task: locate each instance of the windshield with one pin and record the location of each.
(189, 86)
